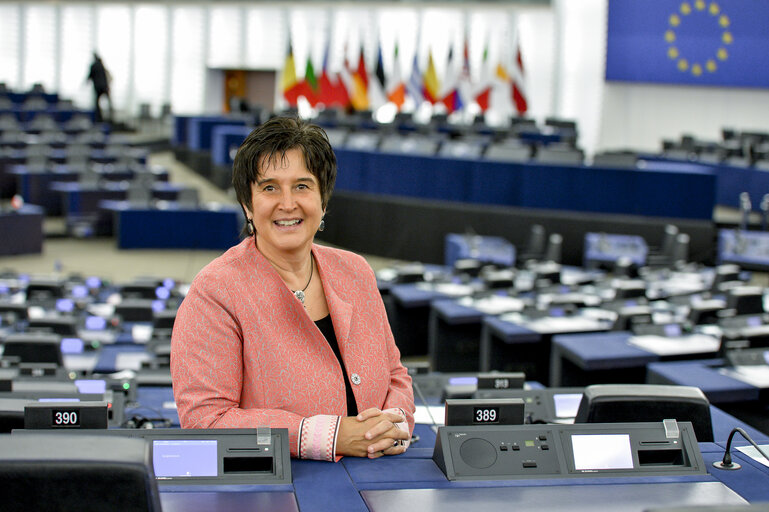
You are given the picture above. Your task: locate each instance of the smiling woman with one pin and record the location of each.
(282, 332)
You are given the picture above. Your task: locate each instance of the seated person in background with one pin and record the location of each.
(281, 332)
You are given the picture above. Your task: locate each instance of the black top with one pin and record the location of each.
(98, 75)
(327, 329)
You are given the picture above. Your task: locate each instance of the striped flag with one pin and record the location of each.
(415, 85)
(518, 82)
(483, 89)
(451, 97)
(311, 90)
(288, 80)
(396, 87)
(432, 85)
(376, 87)
(359, 90)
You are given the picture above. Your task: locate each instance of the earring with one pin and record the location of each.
(250, 224)
(322, 225)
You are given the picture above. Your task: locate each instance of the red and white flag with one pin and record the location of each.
(482, 92)
(518, 83)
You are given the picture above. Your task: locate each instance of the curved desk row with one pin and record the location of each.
(661, 189)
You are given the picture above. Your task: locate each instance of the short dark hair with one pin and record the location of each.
(270, 141)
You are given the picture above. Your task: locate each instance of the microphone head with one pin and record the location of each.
(730, 467)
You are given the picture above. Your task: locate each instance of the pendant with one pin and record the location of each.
(299, 295)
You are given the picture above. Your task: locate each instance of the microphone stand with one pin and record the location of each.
(726, 462)
(745, 207)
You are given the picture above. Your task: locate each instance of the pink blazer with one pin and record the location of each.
(244, 352)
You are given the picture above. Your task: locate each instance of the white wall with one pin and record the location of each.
(165, 52)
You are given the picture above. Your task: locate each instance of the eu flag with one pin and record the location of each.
(690, 42)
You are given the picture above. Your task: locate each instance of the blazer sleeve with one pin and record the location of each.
(400, 394)
(207, 374)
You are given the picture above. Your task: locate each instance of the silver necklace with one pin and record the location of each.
(299, 294)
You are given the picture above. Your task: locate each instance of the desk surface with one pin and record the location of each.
(703, 374)
(578, 498)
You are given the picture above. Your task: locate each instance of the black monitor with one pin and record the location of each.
(7, 375)
(164, 319)
(63, 325)
(11, 413)
(34, 347)
(163, 323)
(140, 290)
(705, 312)
(623, 403)
(45, 289)
(135, 310)
(14, 310)
(745, 300)
(86, 472)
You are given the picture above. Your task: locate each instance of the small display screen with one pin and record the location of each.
(485, 415)
(72, 346)
(672, 330)
(566, 404)
(463, 381)
(68, 418)
(65, 305)
(95, 323)
(184, 458)
(602, 451)
(95, 386)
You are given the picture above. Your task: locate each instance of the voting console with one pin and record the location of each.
(568, 451)
(194, 457)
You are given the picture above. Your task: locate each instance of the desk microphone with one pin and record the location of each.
(434, 425)
(726, 462)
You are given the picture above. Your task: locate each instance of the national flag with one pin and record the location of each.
(500, 100)
(450, 95)
(311, 89)
(359, 85)
(517, 81)
(288, 80)
(432, 85)
(396, 87)
(332, 90)
(379, 72)
(464, 87)
(415, 85)
(376, 88)
(483, 90)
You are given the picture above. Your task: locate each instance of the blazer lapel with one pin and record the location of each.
(341, 311)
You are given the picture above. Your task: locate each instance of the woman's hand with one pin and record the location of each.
(372, 433)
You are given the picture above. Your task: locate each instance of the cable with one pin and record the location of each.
(726, 462)
(414, 385)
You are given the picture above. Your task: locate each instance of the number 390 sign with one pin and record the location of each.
(69, 418)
